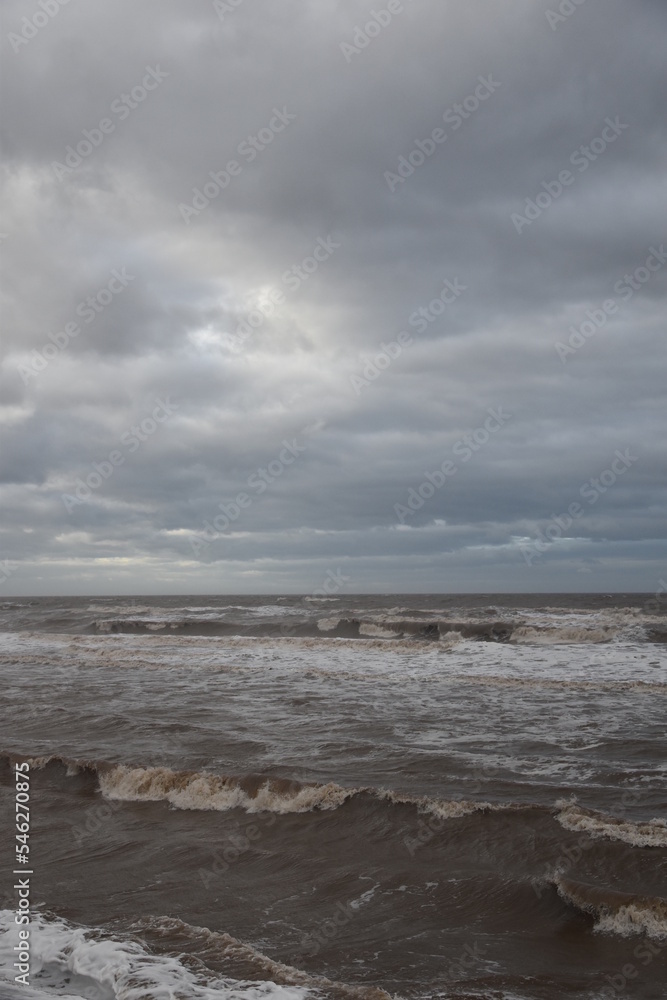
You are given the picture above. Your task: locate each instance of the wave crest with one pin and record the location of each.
(616, 912)
(643, 833)
(198, 790)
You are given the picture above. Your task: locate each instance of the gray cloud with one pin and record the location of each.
(255, 339)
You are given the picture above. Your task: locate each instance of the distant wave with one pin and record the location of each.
(274, 621)
(339, 616)
(451, 659)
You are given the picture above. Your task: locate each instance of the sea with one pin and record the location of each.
(334, 796)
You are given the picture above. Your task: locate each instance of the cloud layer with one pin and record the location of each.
(273, 271)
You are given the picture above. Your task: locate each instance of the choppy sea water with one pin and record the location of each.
(405, 796)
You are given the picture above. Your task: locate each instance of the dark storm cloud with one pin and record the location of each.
(305, 297)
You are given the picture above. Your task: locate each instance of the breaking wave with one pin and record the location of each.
(253, 793)
(73, 961)
(197, 790)
(649, 833)
(202, 790)
(616, 912)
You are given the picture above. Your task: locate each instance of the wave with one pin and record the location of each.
(198, 790)
(273, 620)
(207, 791)
(214, 622)
(388, 626)
(616, 912)
(341, 616)
(451, 660)
(556, 635)
(647, 833)
(207, 944)
(74, 961)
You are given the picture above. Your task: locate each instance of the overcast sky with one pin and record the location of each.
(364, 339)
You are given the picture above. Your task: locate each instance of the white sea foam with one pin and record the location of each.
(214, 792)
(616, 912)
(562, 634)
(74, 963)
(376, 631)
(588, 666)
(328, 624)
(646, 833)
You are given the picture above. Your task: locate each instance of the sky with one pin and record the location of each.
(364, 294)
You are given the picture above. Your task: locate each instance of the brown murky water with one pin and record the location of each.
(412, 796)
